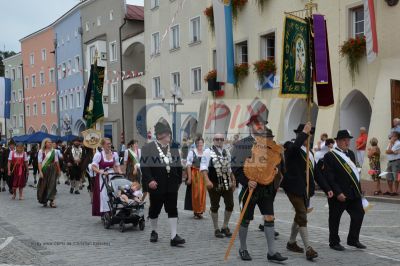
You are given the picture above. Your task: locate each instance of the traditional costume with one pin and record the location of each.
(217, 162)
(73, 158)
(343, 177)
(131, 160)
(162, 164)
(19, 170)
(3, 169)
(295, 186)
(11, 147)
(47, 184)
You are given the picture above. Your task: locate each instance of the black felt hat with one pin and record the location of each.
(161, 128)
(256, 118)
(301, 127)
(344, 134)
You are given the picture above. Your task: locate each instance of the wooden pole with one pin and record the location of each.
(238, 224)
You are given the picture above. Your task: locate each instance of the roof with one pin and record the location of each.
(134, 12)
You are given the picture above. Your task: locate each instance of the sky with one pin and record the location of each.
(17, 19)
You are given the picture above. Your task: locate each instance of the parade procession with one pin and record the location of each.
(146, 132)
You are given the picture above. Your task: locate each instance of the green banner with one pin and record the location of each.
(296, 72)
(93, 108)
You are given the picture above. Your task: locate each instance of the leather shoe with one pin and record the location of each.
(226, 232)
(177, 241)
(276, 257)
(294, 247)
(311, 253)
(153, 236)
(244, 254)
(337, 247)
(357, 245)
(218, 234)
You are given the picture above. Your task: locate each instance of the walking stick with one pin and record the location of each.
(238, 224)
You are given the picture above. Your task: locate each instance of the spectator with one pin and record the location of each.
(393, 168)
(396, 126)
(361, 144)
(320, 149)
(374, 155)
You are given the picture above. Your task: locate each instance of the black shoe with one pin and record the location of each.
(276, 257)
(226, 232)
(66, 182)
(71, 190)
(244, 254)
(337, 247)
(153, 236)
(218, 234)
(177, 241)
(357, 245)
(276, 234)
(34, 182)
(261, 227)
(77, 192)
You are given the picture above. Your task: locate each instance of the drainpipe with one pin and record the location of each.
(56, 81)
(80, 31)
(122, 82)
(23, 95)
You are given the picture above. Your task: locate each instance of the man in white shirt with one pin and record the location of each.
(393, 168)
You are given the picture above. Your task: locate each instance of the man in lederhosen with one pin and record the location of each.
(6, 153)
(216, 168)
(295, 185)
(73, 159)
(342, 174)
(162, 174)
(263, 195)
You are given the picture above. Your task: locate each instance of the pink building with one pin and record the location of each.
(40, 81)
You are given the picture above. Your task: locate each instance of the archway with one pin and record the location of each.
(355, 112)
(189, 128)
(44, 129)
(133, 57)
(135, 111)
(53, 130)
(31, 131)
(296, 113)
(79, 127)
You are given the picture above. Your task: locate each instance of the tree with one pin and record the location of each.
(4, 55)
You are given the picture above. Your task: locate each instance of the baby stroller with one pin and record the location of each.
(121, 212)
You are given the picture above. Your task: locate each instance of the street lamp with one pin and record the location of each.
(176, 100)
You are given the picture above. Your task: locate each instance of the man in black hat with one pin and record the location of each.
(295, 185)
(73, 156)
(4, 164)
(263, 195)
(162, 174)
(342, 174)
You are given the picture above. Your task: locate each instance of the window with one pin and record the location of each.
(13, 74)
(241, 52)
(99, 21)
(19, 72)
(76, 33)
(77, 61)
(61, 103)
(113, 51)
(66, 102)
(71, 101)
(196, 79)
(34, 109)
(33, 81)
(28, 110)
(111, 14)
(69, 67)
(174, 37)
(157, 87)
(21, 121)
(114, 93)
(20, 95)
(14, 121)
(92, 53)
(87, 26)
(13, 97)
(78, 99)
(176, 80)
(26, 82)
(43, 108)
(64, 70)
(43, 54)
(155, 46)
(154, 4)
(53, 106)
(357, 21)
(41, 78)
(51, 75)
(268, 46)
(32, 59)
(195, 29)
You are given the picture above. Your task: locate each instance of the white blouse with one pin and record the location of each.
(18, 155)
(41, 157)
(190, 157)
(97, 158)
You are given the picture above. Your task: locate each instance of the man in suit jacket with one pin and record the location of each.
(342, 174)
(295, 185)
(162, 174)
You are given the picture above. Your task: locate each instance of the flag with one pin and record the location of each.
(296, 70)
(269, 82)
(224, 41)
(93, 107)
(370, 30)
(5, 97)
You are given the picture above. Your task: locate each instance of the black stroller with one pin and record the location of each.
(121, 212)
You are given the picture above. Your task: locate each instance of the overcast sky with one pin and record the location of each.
(17, 19)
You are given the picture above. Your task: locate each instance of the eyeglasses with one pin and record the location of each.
(219, 139)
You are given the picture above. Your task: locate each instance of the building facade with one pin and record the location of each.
(38, 59)
(70, 78)
(13, 71)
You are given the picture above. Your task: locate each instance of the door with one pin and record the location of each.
(395, 98)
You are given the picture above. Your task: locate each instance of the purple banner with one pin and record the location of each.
(320, 48)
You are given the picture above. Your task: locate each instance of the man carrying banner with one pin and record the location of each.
(344, 179)
(298, 190)
(263, 195)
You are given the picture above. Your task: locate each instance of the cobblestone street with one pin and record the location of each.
(69, 235)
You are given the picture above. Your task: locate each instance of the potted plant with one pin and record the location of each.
(353, 49)
(241, 71)
(264, 68)
(209, 13)
(211, 79)
(237, 5)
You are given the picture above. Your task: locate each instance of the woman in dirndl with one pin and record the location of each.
(106, 159)
(18, 169)
(49, 170)
(131, 160)
(195, 198)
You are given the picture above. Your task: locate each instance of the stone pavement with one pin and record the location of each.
(68, 235)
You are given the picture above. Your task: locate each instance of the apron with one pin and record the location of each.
(100, 197)
(19, 171)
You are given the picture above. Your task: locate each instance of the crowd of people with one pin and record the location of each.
(159, 167)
